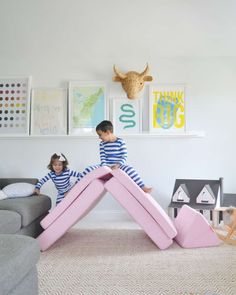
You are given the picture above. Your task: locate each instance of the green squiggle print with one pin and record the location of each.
(130, 114)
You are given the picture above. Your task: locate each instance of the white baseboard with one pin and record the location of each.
(107, 215)
(112, 219)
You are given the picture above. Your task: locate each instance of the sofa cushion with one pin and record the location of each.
(29, 208)
(18, 256)
(19, 189)
(10, 222)
(3, 195)
(9, 180)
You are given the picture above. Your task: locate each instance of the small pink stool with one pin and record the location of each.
(193, 230)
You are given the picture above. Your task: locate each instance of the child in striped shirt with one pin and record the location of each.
(60, 175)
(113, 153)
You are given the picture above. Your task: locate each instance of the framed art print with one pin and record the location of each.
(127, 115)
(87, 106)
(167, 108)
(14, 106)
(49, 111)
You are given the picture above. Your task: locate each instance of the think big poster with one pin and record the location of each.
(167, 108)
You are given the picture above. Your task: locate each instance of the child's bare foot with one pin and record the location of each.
(147, 189)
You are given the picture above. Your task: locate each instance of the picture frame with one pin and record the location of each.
(14, 106)
(167, 108)
(48, 111)
(87, 106)
(126, 115)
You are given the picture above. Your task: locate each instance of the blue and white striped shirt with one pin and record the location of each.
(112, 153)
(61, 181)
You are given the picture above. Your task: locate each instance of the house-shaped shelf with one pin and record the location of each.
(206, 196)
(201, 194)
(181, 195)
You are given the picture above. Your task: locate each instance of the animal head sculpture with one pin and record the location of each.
(132, 82)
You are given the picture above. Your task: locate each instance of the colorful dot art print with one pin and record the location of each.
(14, 105)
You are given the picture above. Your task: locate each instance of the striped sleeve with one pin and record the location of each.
(102, 155)
(123, 152)
(76, 174)
(43, 180)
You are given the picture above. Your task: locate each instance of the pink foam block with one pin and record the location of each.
(139, 214)
(147, 201)
(72, 195)
(78, 209)
(193, 229)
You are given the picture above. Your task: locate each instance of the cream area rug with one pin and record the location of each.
(120, 262)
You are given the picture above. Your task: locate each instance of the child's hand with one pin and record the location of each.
(116, 166)
(37, 191)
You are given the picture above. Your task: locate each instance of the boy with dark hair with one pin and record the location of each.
(105, 126)
(113, 153)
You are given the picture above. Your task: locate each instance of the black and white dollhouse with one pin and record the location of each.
(202, 195)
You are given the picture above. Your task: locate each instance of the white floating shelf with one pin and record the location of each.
(190, 134)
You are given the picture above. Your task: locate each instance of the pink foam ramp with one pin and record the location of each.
(138, 213)
(74, 193)
(193, 229)
(148, 203)
(91, 195)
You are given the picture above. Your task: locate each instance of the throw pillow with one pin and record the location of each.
(19, 189)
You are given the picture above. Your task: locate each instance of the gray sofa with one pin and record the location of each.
(23, 215)
(19, 251)
(18, 257)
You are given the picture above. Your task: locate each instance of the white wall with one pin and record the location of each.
(190, 42)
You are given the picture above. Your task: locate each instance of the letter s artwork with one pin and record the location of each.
(127, 117)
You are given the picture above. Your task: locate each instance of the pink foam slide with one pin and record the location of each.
(74, 193)
(140, 214)
(87, 192)
(88, 198)
(193, 230)
(147, 201)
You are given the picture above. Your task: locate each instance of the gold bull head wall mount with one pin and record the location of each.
(132, 82)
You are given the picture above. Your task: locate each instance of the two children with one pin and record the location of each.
(113, 153)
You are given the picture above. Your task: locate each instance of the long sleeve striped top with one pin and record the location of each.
(112, 153)
(61, 181)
